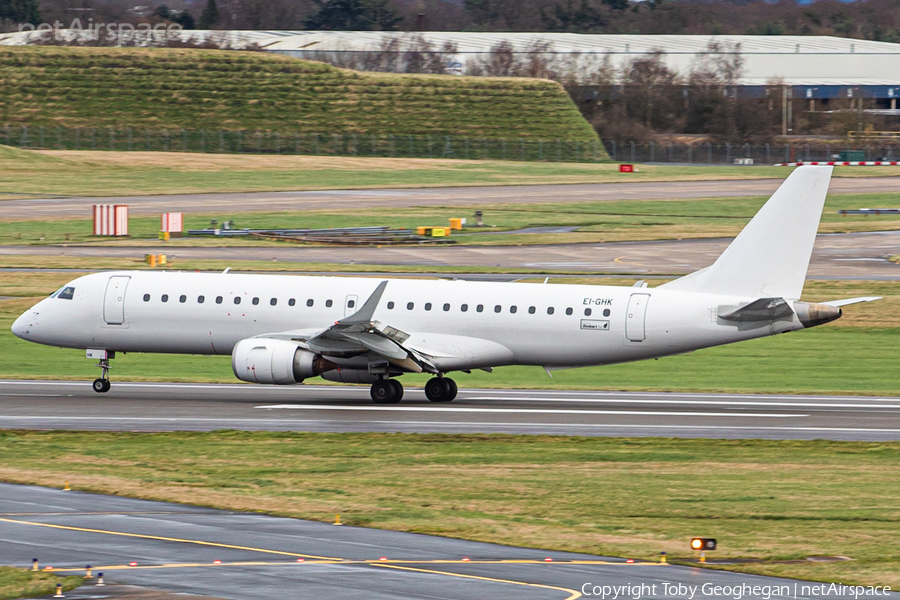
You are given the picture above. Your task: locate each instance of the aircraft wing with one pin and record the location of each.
(360, 333)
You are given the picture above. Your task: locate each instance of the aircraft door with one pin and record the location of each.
(114, 302)
(635, 318)
(351, 305)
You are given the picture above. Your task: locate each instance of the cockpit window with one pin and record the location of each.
(67, 293)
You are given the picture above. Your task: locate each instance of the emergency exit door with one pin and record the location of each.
(351, 305)
(636, 317)
(114, 303)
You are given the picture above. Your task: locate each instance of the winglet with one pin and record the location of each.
(367, 311)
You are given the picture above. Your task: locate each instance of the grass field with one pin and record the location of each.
(855, 355)
(82, 173)
(214, 89)
(768, 500)
(596, 221)
(19, 583)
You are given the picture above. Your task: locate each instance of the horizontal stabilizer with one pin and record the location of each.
(849, 301)
(770, 257)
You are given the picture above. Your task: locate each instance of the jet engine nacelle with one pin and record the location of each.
(281, 362)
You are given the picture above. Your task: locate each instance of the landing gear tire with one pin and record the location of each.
(386, 391)
(441, 389)
(101, 386)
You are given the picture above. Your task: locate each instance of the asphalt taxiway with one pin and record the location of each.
(191, 550)
(443, 196)
(206, 407)
(836, 256)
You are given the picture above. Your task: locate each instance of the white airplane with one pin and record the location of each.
(282, 329)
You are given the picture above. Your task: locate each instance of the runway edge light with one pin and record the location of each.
(703, 544)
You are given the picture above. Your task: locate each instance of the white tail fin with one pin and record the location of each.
(769, 258)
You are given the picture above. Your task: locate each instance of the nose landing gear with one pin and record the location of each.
(101, 385)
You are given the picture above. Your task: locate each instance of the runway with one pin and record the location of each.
(836, 256)
(206, 407)
(176, 548)
(447, 196)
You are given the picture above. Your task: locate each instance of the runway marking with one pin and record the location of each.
(526, 411)
(572, 593)
(344, 561)
(165, 539)
(470, 424)
(697, 402)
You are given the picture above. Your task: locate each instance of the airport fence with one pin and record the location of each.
(435, 146)
(727, 153)
(273, 142)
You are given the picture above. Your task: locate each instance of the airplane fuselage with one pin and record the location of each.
(465, 324)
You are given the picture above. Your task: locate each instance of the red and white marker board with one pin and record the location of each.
(110, 219)
(849, 163)
(171, 222)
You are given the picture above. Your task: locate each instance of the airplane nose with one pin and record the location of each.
(20, 326)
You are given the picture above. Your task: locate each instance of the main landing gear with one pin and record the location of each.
(390, 391)
(101, 385)
(387, 391)
(441, 389)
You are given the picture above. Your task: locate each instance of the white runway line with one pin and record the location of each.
(469, 424)
(520, 411)
(697, 402)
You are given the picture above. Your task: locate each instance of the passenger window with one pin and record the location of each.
(165, 298)
(237, 299)
(273, 301)
(446, 306)
(464, 307)
(497, 308)
(310, 302)
(351, 303)
(328, 303)
(428, 306)
(587, 312)
(146, 297)
(550, 310)
(568, 311)
(182, 298)
(218, 299)
(391, 305)
(292, 302)
(513, 309)
(255, 301)
(605, 312)
(531, 310)
(201, 299)
(409, 305)
(479, 308)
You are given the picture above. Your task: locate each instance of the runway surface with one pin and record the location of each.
(449, 196)
(205, 407)
(836, 256)
(175, 548)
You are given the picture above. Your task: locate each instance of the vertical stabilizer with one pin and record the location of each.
(769, 258)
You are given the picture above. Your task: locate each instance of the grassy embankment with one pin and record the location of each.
(19, 583)
(596, 222)
(855, 355)
(767, 500)
(29, 173)
(213, 89)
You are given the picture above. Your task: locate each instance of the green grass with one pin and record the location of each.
(766, 500)
(19, 583)
(24, 173)
(214, 89)
(855, 355)
(596, 221)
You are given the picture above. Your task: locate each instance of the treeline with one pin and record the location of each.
(864, 19)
